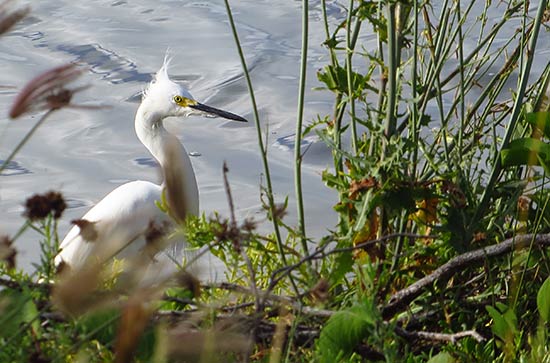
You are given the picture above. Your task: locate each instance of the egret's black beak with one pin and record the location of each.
(217, 112)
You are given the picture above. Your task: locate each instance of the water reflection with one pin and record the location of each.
(14, 168)
(113, 67)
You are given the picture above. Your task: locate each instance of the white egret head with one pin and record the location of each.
(167, 98)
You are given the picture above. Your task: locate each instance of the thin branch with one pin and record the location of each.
(233, 226)
(438, 337)
(320, 254)
(399, 301)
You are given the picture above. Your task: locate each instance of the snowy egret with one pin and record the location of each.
(120, 222)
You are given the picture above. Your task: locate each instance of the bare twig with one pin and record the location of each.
(438, 337)
(237, 242)
(270, 299)
(402, 298)
(320, 253)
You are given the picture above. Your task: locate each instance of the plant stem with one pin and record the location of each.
(25, 139)
(390, 124)
(298, 138)
(516, 109)
(263, 149)
(349, 75)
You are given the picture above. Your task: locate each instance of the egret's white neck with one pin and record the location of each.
(179, 178)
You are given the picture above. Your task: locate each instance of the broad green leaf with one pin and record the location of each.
(344, 331)
(540, 120)
(442, 357)
(336, 80)
(504, 321)
(543, 300)
(525, 151)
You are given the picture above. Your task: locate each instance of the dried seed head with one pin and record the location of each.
(155, 238)
(75, 290)
(226, 231)
(280, 211)
(47, 91)
(39, 206)
(88, 232)
(8, 18)
(133, 320)
(249, 225)
(320, 292)
(62, 268)
(155, 232)
(7, 252)
(188, 281)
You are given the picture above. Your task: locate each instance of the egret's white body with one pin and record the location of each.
(119, 221)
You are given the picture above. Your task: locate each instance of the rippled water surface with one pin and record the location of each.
(85, 154)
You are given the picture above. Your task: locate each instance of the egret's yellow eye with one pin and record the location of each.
(178, 99)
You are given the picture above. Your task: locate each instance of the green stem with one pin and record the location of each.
(391, 121)
(333, 59)
(349, 74)
(415, 129)
(514, 118)
(462, 66)
(25, 139)
(298, 138)
(263, 150)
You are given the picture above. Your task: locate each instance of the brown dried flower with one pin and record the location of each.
(7, 252)
(249, 225)
(320, 292)
(8, 18)
(189, 282)
(280, 211)
(87, 229)
(133, 320)
(227, 231)
(47, 91)
(155, 232)
(39, 206)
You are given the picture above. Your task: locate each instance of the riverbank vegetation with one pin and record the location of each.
(439, 139)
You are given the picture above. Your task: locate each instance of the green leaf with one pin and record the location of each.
(343, 265)
(540, 120)
(504, 321)
(100, 325)
(333, 181)
(344, 331)
(543, 300)
(17, 308)
(442, 357)
(526, 151)
(336, 80)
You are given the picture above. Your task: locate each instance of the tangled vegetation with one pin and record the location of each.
(440, 252)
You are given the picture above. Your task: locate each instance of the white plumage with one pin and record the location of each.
(116, 226)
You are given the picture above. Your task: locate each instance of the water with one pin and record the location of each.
(85, 154)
